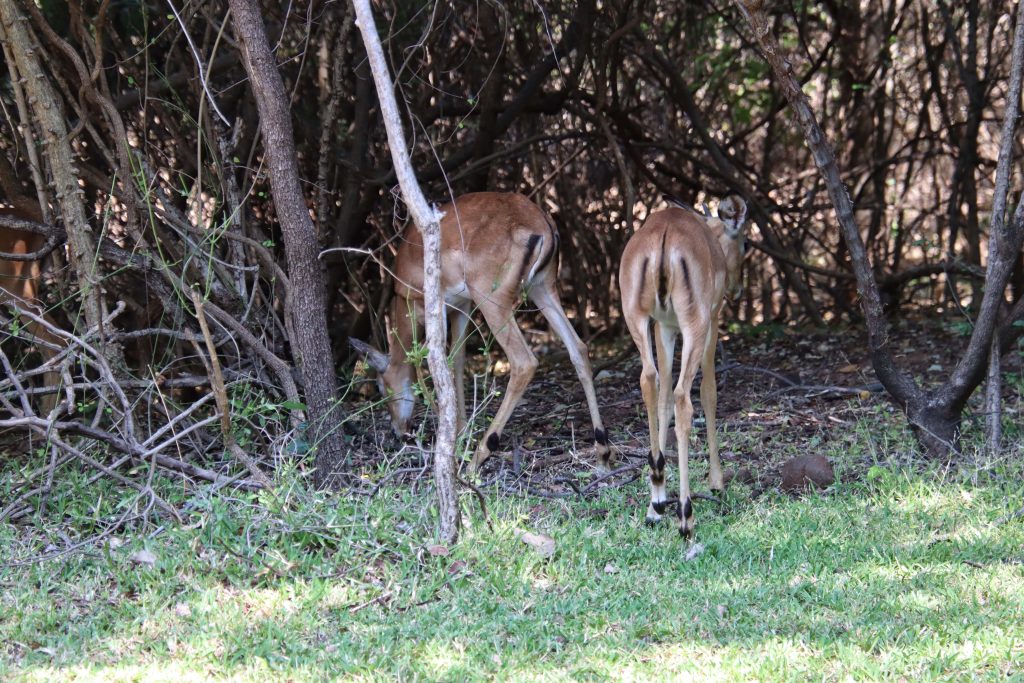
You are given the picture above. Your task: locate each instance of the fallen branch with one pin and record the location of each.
(221, 395)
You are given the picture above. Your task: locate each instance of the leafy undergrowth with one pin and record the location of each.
(908, 571)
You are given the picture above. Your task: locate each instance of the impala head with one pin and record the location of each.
(732, 214)
(394, 381)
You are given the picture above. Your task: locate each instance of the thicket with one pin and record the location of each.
(132, 160)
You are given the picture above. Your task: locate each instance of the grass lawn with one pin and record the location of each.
(910, 574)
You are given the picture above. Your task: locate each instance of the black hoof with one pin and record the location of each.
(651, 522)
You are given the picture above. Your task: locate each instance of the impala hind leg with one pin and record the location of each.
(546, 299)
(459, 321)
(691, 357)
(709, 402)
(664, 344)
(522, 365)
(641, 333)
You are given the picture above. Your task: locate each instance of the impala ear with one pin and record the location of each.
(378, 361)
(733, 212)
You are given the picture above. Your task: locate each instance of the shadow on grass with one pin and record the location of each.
(910, 582)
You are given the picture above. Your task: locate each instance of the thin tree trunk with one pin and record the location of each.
(307, 282)
(993, 401)
(936, 413)
(427, 219)
(896, 383)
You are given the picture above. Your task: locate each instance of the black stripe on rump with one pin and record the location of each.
(531, 246)
(662, 275)
(554, 250)
(643, 281)
(686, 276)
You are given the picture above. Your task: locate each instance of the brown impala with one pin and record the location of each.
(496, 249)
(19, 281)
(674, 273)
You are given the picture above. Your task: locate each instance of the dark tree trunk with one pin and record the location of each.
(935, 424)
(895, 382)
(311, 343)
(935, 414)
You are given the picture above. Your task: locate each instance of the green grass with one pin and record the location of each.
(910, 574)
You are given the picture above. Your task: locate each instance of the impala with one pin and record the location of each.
(496, 250)
(674, 273)
(19, 280)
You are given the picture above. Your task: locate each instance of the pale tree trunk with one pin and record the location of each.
(300, 244)
(993, 402)
(934, 413)
(47, 112)
(427, 219)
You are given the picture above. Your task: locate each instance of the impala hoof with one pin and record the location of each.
(686, 522)
(653, 516)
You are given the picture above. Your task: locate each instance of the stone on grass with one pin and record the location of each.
(807, 471)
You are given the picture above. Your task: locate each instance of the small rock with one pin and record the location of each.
(543, 545)
(695, 550)
(437, 550)
(611, 569)
(807, 471)
(143, 557)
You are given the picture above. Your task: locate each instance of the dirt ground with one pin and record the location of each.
(782, 392)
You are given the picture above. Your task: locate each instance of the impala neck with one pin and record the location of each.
(732, 247)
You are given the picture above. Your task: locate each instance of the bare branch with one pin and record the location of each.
(427, 220)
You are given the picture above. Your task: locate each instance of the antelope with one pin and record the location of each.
(19, 280)
(497, 249)
(674, 271)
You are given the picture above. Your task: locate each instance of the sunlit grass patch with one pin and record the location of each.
(909, 573)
